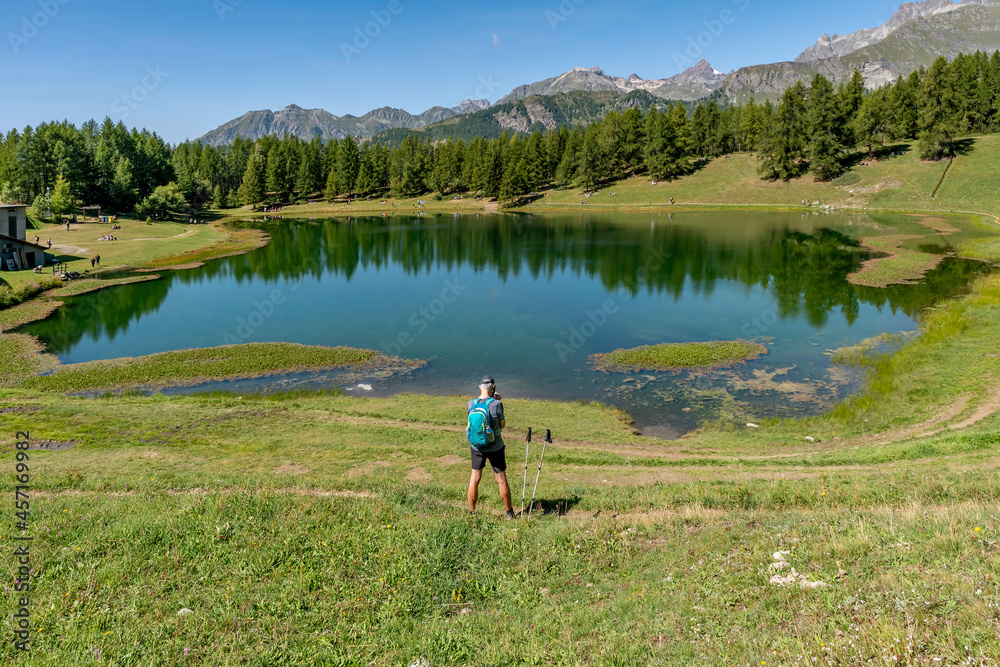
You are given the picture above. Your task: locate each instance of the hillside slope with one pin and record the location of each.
(903, 182)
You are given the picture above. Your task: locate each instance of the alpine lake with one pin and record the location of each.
(529, 298)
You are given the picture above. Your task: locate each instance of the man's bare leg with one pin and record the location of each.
(474, 480)
(504, 491)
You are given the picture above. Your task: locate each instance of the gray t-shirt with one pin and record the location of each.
(496, 416)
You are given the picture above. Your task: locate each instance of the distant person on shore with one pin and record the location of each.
(97, 259)
(489, 402)
(49, 242)
(93, 261)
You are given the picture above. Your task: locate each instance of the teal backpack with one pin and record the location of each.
(480, 426)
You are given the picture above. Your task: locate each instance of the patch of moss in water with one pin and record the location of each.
(189, 367)
(670, 356)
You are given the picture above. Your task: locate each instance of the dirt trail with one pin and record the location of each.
(71, 249)
(924, 429)
(935, 425)
(166, 238)
(514, 436)
(987, 409)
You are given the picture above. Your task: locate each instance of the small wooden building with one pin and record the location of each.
(16, 252)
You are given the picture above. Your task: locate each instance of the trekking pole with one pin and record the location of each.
(524, 487)
(548, 439)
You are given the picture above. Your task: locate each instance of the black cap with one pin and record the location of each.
(487, 380)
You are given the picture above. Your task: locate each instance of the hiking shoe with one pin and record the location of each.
(510, 514)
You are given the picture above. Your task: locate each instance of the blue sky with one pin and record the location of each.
(184, 67)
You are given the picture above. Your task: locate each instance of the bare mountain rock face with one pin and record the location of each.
(471, 106)
(523, 117)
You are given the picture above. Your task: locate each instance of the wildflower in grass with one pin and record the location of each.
(978, 529)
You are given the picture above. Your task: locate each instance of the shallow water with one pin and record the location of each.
(527, 299)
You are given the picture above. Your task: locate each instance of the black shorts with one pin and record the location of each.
(497, 459)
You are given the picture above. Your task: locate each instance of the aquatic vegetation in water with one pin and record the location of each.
(679, 355)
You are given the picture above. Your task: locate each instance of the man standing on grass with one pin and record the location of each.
(492, 451)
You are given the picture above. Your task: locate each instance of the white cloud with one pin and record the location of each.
(496, 40)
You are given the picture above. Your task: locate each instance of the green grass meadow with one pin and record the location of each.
(307, 530)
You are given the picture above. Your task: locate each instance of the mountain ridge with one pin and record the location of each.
(693, 83)
(915, 34)
(309, 123)
(842, 45)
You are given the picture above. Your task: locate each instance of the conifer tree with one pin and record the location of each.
(751, 125)
(872, 124)
(785, 141)
(904, 108)
(276, 182)
(348, 163)
(331, 190)
(824, 127)
(61, 199)
(515, 182)
(251, 191)
(938, 109)
(594, 160)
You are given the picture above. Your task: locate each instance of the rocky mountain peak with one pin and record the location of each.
(471, 106)
(842, 45)
(701, 72)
